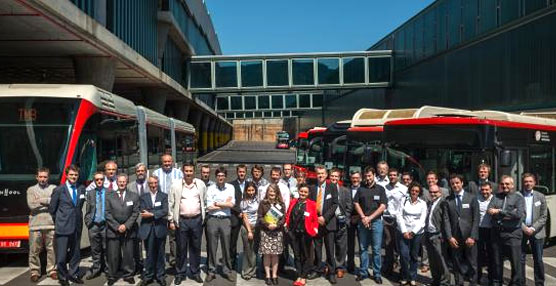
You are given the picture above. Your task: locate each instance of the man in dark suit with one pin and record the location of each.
(140, 187)
(355, 178)
(343, 215)
(461, 230)
(122, 210)
(95, 220)
(65, 207)
(326, 197)
(153, 231)
(483, 176)
(433, 238)
(236, 219)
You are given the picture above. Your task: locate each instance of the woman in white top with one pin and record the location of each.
(249, 207)
(411, 223)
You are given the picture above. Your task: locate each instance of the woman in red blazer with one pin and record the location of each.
(302, 225)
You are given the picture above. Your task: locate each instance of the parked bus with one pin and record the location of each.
(54, 126)
(282, 140)
(307, 157)
(457, 141)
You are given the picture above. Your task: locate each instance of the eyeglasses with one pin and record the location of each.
(99, 179)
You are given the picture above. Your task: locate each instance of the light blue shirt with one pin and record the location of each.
(528, 195)
(165, 178)
(100, 199)
(221, 195)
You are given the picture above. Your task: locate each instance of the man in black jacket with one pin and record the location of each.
(236, 218)
(95, 220)
(343, 215)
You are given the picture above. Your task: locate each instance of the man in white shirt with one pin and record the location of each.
(381, 177)
(395, 192)
(220, 199)
(275, 174)
(484, 248)
(289, 180)
(257, 173)
(110, 184)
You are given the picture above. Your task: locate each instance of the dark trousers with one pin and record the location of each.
(188, 237)
(234, 236)
(284, 257)
(154, 263)
(536, 250)
(68, 246)
(340, 248)
(437, 252)
(391, 249)
(464, 262)
(327, 237)
(484, 254)
(218, 230)
(138, 255)
(120, 256)
(409, 256)
(507, 243)
(97, 238)
(351, 244)
(301, 244)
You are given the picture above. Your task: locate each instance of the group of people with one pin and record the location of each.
(455, 231)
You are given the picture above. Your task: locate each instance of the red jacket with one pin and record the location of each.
(311, 221)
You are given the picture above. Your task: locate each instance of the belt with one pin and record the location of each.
(190, 217)
(219, 216)
(99, 223)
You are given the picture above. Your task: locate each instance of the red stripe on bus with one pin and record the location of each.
(366, 129)
(469, 121)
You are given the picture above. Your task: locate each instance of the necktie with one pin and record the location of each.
(74, 198)
(121, 195)
(99, 208)
(319, 200)
(458, 202)
(110, 186)
(140, 189)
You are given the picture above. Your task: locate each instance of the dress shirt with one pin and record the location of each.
(100, 205)
(153, 197)
(165, 178)
(190, 203)
(395, 195)
(382, 181)
(485, 219)
(250, 208)
(241, 185)
(412, 216)
(221, 195)
(354, 191)
(71, 188)
(291, 183)
(431, 227)
(122, 197)
(142, 187)
(459, 197)
(528, 195)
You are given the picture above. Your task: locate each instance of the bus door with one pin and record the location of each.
(511, 161)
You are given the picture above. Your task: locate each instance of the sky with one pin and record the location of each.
(300, 26)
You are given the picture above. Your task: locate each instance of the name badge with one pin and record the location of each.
(306, 213)
(465, 206)
(279, 207)
(537, 203)
(329, 196)
(376, 198)
(130, 203)
(82, 196)
(156, 204)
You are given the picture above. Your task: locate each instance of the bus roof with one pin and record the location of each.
(378, 117)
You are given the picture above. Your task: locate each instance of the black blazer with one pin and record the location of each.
(345, 201)
(437, 215)
(118, 213)
(329, 205)
(235, 220)
(92, 206)
(465, 224)
(159, 222)
(67, 218)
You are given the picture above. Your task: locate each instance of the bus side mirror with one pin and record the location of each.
(506, 158)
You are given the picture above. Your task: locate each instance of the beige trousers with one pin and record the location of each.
(39, 240)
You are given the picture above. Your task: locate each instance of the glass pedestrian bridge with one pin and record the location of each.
(290, 72)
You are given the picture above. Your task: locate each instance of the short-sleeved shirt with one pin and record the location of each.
(370, 199)
(250, 208)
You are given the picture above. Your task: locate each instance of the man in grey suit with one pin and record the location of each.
(507, 209)
(122, 210)
(461, 230)
(95, 220)
(140, 187)
(433, 238)
(483, 175)
(343, 214)
(533, 227)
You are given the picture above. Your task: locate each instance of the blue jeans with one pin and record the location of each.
(409, 256)
(536, 250)
(372, 236)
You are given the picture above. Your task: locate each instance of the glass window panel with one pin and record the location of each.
(226, 74)
(329, 72)
(222, 103)
(258, 114)
(291, 101)
(250, 102)
(277, 73)
(248, 114)
(317, 100)
(230, 115)
(487, 15)
(277, 102)
(236, 102)
(509, 10)
(302, 70)
(304, 101)
(267, 114)
(354, 70)
(379, 70)
(200, 75)
(240, 115)
(251, 73)
(264, 102)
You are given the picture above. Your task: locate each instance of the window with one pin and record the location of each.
(317, 100)
(222, 103)
(200, 75)
(251, 73)
(329, 71)
(302, 72)
(277, 73)
(264, 102)
(277, 102)
(226, 74)
(304, 101)
(354, 70)
(541, 163)
(237, 103)
(250, 102)
(379, 70)
(291, 101)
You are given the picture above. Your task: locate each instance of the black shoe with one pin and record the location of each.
(178, 280)
(76, 280)
(197, 278)
(162, 282)
(93, 275)
(332, 279)
(130, 280)
(378, 280)
(230, 277)
(210, 277)
(312, 275)
(111, 282)
(268, 281)
(360, 278)
(146, 282)
(275, 281)
(63, 282)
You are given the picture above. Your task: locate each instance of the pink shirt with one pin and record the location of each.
(190, 203)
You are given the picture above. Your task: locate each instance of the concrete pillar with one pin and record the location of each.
(212, 127)
(155, 98)
(217, 142)
(98, 71)
(204, 133)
